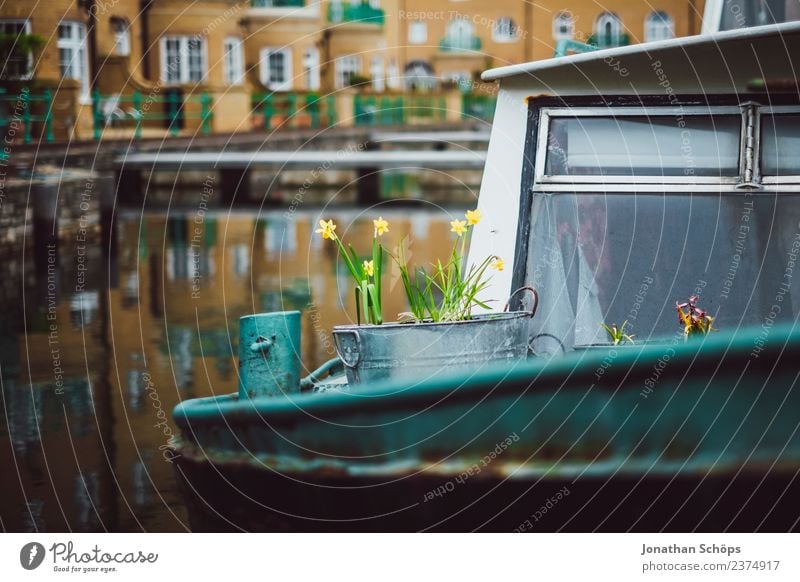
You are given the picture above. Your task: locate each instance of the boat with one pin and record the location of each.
(621, 181)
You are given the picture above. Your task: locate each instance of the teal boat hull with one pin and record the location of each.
(697, 436)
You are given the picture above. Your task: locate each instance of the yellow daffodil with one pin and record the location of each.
(458, 226)
(369, 268)
(498, 264)
(473, 217)
(326, 229)
(381, 226)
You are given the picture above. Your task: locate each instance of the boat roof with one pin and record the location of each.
(784, 37)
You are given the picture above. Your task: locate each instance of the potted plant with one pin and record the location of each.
(439, 332)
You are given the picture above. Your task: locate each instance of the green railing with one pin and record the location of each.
(567, 46)
(605, 41)
(295, 110)
(471, 43)
(19, 112)
(363, 13)
(169, 111)
(278, 3)
(478, 106)
(388, 110)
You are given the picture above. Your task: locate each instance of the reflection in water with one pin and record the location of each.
(84, 427)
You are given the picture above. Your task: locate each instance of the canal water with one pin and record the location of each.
(100, 340)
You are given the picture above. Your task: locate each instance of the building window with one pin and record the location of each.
(460, 34)
(417, 32)
(378, 76)
(15, 64)
(346, 68)
(72, 54)
(183, 59)
(122, 36)
(276, 68)
(233, 61)
(563, 26)
(505, 30)
(311, 68)
(658, 26)
(419, 76)
(608, 29)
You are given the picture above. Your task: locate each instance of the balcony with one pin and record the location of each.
(460, 44)
(606, 41)
(362, 13)
(278, 3)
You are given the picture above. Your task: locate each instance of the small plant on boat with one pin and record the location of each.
(366, 274)
(449, 291)
(695, 321)
(617, 333)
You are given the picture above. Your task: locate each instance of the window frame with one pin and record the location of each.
(121, 49)
(184, 77)
(264, 68)
(233, 60)
(784, 180)
(338, 82)
(80, 46)
(784, 103)
(566, 17)
(421, 25)
(512, 29)
(655, 21)
(26, 29)
(546, 182)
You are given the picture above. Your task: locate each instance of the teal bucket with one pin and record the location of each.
(269, 354)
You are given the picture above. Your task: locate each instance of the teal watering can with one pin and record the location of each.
(269, 356)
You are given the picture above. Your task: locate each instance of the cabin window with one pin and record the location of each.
(563, 26)
(658, 26)
(631, 146)
(616, 223)
(780, 145)
(746, 13)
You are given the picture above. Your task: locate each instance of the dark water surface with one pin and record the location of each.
(98, 342)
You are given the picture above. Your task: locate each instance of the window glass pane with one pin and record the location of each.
(630, 257)
(780, 145)
(745, 13)
(639, 146)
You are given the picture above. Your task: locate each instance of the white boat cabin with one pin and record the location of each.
(621, 181)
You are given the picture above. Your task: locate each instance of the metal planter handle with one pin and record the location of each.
(535, 294)
(342, 352)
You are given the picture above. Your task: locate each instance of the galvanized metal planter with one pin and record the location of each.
(374, 353)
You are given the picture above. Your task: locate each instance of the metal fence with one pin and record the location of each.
(294, 109)
(170, 111)
(398, 110)
(25, 114)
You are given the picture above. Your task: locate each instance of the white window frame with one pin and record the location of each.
(79, 62)
(349, 65)
(460, 33)
(600, 25)
(378, 74)
(656, 24)
(184, 76)
(233, 60)
(417, 32)
(566, 19)
(26, 29)
(505, 30)
(286, 83)
(311, 68)
(122, 36)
